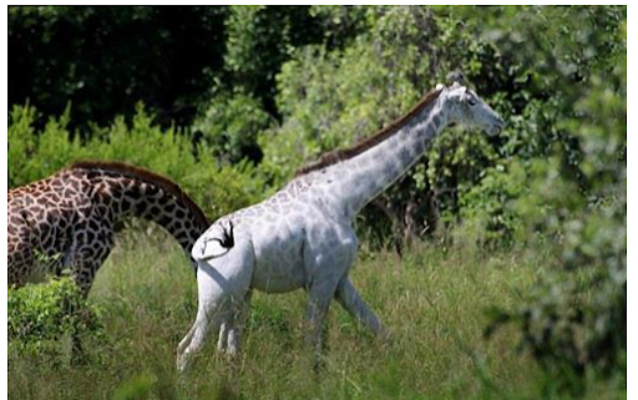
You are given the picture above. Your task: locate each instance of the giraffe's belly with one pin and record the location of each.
(279, 266)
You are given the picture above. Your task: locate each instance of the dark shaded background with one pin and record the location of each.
(103, 60)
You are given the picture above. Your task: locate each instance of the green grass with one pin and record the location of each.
(433, 301)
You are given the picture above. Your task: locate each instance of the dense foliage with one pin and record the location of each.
(105, 59)
(218, 189)
(576, 320)
(258, 91)
(39, 316)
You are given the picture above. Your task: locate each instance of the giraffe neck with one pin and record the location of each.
(355, 182)
(120, 196)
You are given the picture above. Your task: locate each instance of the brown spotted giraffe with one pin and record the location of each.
(68, 219)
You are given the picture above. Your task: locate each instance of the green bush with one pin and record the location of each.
(575, 321)
(39, 316)
(259, 40)
(35, 154)
(229, 126)
(487, 209)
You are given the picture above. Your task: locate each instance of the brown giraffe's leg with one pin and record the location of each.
(92, 247)
(20, 262)
(88, 262)
(85, 256)
(85, 274)
(21, 258)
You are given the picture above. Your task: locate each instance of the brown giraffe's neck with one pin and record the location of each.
(68, 219)
(119, 191)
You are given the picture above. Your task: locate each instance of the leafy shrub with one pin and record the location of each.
(575, 322)
(33, 154)
(41, 315)
(488, 210)
(229, 126)
(217, 189)
(259, 40)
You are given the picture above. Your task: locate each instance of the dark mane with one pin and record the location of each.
(336, 156)
(146, 176)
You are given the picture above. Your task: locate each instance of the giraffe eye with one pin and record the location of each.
(471, 102)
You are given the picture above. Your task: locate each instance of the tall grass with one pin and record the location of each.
(433, 301)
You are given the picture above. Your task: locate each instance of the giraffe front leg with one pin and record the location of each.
(84, 278)
(321, 293)
(328, 255)
(86, 257)
(352, 302)
(83, 273)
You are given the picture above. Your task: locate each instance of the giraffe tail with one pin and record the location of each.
(215, 242)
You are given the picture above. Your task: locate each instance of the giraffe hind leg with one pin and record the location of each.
(225, 328)
(193, 341)
(221, 283)
(233, 328)
(208, 320)
(183, 344)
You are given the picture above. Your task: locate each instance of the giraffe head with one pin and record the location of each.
(466, 108)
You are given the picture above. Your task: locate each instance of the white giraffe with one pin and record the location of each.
(303, 236)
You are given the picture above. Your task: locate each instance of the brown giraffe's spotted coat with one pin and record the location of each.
(68, 218)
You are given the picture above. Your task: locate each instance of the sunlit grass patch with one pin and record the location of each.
(432, 301)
